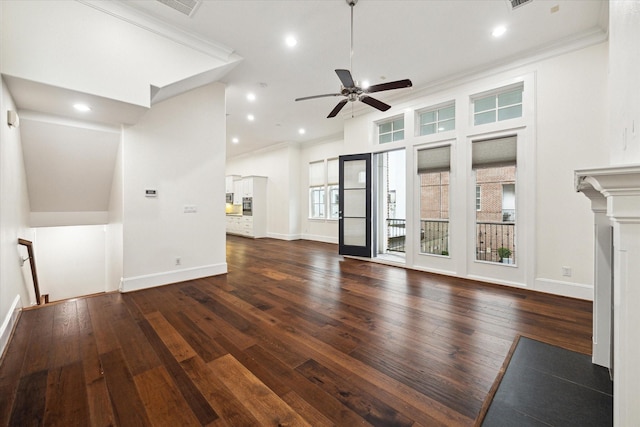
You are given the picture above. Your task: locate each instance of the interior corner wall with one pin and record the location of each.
(15, 280)
(114, 238)
(177, 149)
(624, 90)
(571, 134)
(282, 202)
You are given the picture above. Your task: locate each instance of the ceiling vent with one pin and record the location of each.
(186, 7)
(518, 3)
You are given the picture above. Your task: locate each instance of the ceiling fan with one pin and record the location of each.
(350, 88)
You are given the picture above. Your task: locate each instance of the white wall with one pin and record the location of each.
(178, 149)
(624, 91)
(571, 130)
(281, 165)
(105, 47)
(71, 260)
(16, 287)
(114, 237)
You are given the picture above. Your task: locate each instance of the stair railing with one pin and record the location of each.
(32, 262)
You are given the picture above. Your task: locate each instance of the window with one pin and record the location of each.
(334, 201)
(392, 130)
(323, 181)
(316, 190)
(433, 169)
(499, 106)
(316, 196)
(438, 120)
(494, 164)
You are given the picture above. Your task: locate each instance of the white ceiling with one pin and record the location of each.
(428, 41)
(425, 41)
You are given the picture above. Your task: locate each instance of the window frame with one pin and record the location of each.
(435, 108)
(495, 93)
(393, 131)
(322, 203)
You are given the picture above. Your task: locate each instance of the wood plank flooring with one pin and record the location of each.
(292, 335)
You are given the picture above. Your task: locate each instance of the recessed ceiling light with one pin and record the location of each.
(291, 41)
(499, 31)
(250, 117)
(82, 107)
(365, 84)
(301, 131)
(235, 140)
(251, 96)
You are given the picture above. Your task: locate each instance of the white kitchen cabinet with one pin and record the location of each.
(254, 225)
(247, 186)
(237, 191)
(228, 183)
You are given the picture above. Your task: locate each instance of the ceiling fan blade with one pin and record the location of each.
(375, 103)
(398, 84)
(345, 78)
(318, 96)
(337, 109)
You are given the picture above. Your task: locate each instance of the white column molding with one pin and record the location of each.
(620, 187)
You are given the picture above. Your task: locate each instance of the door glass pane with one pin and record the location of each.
(355, 203)
(355, 231)
(355, 174)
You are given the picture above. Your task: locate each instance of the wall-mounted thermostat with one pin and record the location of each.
(151, 193)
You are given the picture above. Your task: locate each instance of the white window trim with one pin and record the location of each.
(378, 123)
(436, 108)
(496, 92)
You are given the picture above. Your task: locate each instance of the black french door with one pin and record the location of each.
(355, 226)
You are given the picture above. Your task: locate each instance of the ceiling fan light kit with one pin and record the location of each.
(350, 88)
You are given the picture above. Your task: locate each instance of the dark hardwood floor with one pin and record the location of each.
(293, 335)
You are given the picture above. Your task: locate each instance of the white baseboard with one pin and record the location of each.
(567, 289)
(280, 236)
(152, 280)
(9, 323)
(320, 238)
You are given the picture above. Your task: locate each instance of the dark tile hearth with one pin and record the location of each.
(545, 385)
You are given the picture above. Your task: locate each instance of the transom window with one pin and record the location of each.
(438, 120)
(392, 130)
(499, 106)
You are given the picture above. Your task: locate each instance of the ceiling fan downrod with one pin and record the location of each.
(351, 3)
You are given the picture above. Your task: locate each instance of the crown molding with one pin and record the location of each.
(120, 10)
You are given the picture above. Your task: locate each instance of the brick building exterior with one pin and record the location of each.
(495, 216)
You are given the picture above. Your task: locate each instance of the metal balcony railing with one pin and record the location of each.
(396, 234)
(434, 236)
(496, 242)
